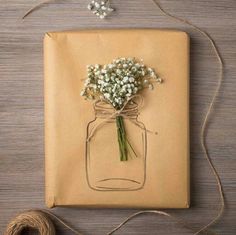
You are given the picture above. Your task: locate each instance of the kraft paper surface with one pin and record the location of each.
(91, 174)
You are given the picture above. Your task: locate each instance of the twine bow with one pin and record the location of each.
(130, 114)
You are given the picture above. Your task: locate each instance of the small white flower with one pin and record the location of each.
(131, 79)
(100, 8)
(107, 95)
(150, 87)
(97, 5)
(125, 79)
(90, 6)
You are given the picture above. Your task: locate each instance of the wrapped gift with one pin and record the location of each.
(83, 163)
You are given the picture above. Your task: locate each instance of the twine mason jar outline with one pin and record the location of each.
(128, 113)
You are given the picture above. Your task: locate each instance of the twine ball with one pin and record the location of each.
(36, 220)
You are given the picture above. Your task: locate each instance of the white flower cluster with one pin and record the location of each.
(100, 8)
(118, 81)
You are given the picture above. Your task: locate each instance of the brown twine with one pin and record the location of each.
(41, 222)
(127, 111)
(35, 220)
(208, 113)
(15, 225)
(103, 109)
(38, 220)
(37, 6)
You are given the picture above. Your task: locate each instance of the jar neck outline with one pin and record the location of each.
(104, 110)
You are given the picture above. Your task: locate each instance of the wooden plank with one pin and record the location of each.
(21, 108)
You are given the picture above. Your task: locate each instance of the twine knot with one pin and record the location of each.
(130, 111)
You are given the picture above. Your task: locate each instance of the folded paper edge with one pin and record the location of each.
(49, 194)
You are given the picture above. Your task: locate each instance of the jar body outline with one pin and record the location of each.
(134, 184)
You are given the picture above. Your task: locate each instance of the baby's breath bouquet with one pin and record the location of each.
(117, 83)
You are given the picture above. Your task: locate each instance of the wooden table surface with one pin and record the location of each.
(21, 109)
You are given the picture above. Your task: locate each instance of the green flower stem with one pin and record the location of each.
(122, 140)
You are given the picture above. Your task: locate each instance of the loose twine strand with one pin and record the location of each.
(37, 6)
(40, 219)
(40, 4)
(208, 113)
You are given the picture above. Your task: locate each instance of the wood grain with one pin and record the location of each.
(21, 109)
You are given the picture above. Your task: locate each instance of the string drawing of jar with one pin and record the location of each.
(104, 169)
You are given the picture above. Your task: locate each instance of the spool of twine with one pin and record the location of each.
(32, 220)
(40, 220)
(36, 220)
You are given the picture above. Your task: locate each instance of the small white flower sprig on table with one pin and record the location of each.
(100, 8)
(117, 83)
